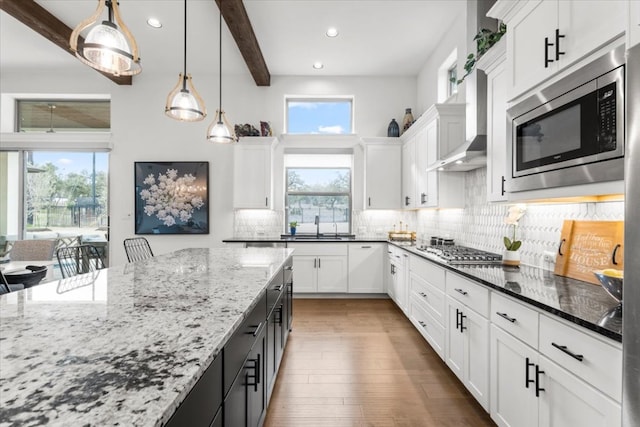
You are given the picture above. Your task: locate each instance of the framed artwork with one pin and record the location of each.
(172, 197)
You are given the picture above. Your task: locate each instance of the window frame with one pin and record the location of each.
(329, 98)
(349, 194)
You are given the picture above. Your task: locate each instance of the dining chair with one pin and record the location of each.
(79, 259)
(33, 250)
(137, 249)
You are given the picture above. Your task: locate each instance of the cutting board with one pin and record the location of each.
(589, 245)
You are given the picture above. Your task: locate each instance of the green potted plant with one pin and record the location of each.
(292, 227)
(511, 256)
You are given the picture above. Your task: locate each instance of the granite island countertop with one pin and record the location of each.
(124, 345)
(582, 303)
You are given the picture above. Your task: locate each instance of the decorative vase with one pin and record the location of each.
(293, 231)
(407, 120)
(393, 130)
(511, 258)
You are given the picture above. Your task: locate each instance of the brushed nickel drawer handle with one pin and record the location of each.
(564, 349)
(504, 316)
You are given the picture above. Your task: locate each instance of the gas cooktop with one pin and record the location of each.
(460, 255)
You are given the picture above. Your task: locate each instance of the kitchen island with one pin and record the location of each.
(125, 345)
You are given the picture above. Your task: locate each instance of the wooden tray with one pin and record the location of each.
(589, 245)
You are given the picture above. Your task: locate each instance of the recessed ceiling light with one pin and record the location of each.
(332, 32)
(318, 65)
(440, 169)
(459, 162)
(154, 22)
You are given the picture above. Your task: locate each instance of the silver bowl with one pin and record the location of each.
(613, 285)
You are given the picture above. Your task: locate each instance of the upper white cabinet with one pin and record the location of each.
(252, 173)
(409, 174)
(435, 134)
(545, 36)
(383, 174)
(493, 63)
(633, 32)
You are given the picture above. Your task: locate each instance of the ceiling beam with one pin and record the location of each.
(235, 15)
(44, 23)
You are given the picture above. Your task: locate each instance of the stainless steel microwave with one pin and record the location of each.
(571, 132)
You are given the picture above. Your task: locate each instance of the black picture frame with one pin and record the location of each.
(179, 190)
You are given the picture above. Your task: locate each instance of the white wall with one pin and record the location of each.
(427, 83)
(141, 131)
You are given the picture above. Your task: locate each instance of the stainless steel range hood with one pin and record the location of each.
(472, 154)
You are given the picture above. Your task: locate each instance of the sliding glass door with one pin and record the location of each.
(55, 195)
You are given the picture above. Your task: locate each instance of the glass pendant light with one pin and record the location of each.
(185, 104)
(219, 130)
(109, 46)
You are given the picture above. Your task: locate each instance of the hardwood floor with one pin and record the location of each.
(362, 363)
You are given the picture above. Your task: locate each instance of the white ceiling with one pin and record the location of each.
(377, 38)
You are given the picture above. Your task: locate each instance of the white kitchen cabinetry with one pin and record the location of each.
(409, 174)
(427, 308)
(633, 31)
(383, 174)
(252, 173)
(541, 384)
(493, 63)
(467, 344)
(435, 134)
(398, 285)
(320, 267)
(545, 36)
(366, 263)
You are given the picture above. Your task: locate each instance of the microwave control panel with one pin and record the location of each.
(607, 117)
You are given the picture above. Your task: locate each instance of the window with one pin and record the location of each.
(319, 186)
(329, 116)
(452, 78)
(63, 116)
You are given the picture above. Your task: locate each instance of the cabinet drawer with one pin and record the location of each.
(430, 329)
(591, 359)
(428, 272)
(431, 298)
(275, 290)
(204, 400)
(515, 318)
(319, 249)
(240, 343)
(473, 295)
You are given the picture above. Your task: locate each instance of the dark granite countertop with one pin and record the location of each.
(582, 303)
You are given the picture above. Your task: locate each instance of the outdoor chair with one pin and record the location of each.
(33, 250)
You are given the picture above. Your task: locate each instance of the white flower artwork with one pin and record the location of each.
(169, 196)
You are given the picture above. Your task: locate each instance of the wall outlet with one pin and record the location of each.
(549, 260)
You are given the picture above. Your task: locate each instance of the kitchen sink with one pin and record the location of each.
(320, 237)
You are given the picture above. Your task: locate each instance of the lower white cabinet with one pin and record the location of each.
(399, 291)
(529, 389)
(366, 263)
(467, 349)
(321, 267)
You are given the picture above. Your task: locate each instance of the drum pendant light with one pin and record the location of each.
(185, 104)
(219, 130)
(109, 46)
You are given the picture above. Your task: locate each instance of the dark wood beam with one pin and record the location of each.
(235, 15)
(44, 23)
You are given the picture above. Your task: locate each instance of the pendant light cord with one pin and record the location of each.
(220, 62)
(184, 76)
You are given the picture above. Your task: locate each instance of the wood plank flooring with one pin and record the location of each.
(361, 362)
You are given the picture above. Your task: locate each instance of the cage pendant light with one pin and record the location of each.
(185, 104)
(109, 46)
(219, 130)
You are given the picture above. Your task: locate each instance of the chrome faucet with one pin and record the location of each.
(317, 223)
(335, 228)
